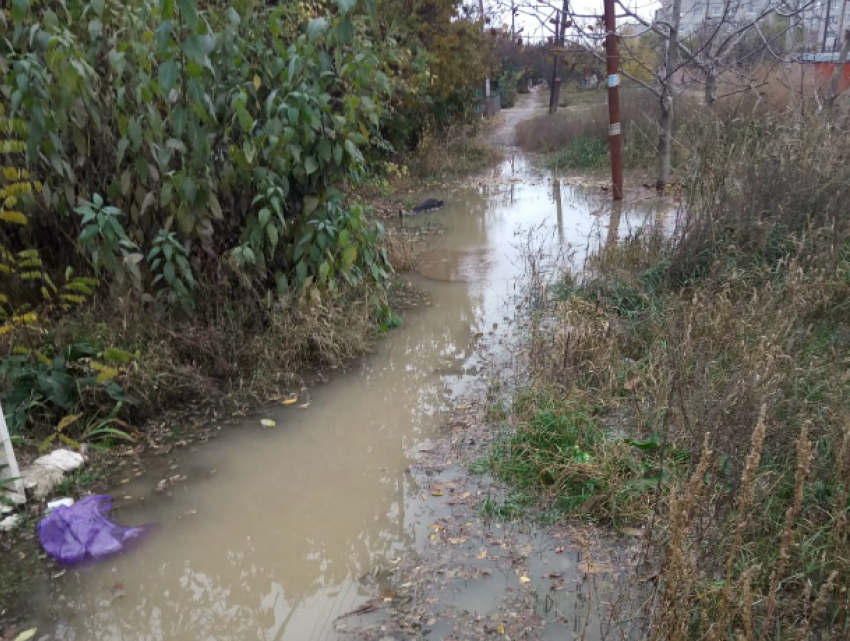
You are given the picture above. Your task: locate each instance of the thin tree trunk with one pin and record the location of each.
(839, 70)
(665, 122)
(665, 139)
(710, 86)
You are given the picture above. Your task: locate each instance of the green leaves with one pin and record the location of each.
(166, 9)
(189, 12)
(19, 10)
(316, 28)
(169, 261)
(168, 74)
(345, 30)
(345, 6)
(95, 29)
(226, 129)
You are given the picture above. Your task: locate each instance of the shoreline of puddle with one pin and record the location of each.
(284, 532)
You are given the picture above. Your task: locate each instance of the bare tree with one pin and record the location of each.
(702, 60)
(710, 55)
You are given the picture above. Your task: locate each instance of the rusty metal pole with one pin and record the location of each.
(615, 135)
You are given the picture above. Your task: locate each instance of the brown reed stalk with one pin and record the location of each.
(804, 459)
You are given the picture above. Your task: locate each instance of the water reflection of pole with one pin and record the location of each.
(556, 195)
(614, 223)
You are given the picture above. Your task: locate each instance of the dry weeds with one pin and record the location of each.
(687, 342)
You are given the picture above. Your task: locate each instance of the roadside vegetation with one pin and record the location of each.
(694, 385)
(177, 206)
(576, 137)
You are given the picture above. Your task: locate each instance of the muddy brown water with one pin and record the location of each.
(275, 532)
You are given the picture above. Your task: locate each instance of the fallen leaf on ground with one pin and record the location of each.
(289, 401)
(267, 422)
(632, 384)
(589, 567)
(524, 579)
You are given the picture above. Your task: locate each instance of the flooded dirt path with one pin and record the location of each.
(277, 532)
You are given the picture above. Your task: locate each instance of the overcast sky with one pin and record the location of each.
(645, 8)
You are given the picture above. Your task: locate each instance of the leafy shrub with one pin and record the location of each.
(223, 127)
(43, 382)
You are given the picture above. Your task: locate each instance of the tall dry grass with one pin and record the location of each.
(722, 352)
(550, 132)
(461, 150)
(579, 133)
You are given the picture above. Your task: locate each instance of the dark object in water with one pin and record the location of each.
(428, 205)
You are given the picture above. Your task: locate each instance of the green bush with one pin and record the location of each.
(225, 127)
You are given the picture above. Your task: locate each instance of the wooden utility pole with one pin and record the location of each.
(615, 134)
(553, 90)
(560, 41)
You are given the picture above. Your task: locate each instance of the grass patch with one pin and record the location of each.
(560, 452)
(583, 152)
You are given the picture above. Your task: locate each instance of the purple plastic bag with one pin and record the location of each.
(83, 531)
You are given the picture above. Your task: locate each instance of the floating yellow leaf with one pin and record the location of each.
(524, 579)
(501, 628)
(289, 401)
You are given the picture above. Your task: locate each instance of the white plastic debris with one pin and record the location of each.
(65, 460)
(10, 523)
(47, 471)
(63, 502)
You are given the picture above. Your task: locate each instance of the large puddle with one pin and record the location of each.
(275, 532)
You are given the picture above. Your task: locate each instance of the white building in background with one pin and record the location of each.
(823, 23)
(819, 22)
(698, 13)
